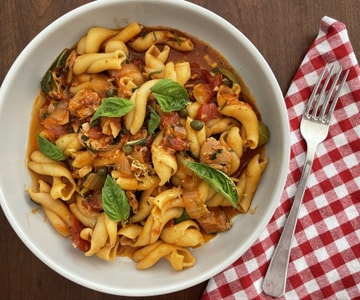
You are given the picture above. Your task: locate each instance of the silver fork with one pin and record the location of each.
(314, 128)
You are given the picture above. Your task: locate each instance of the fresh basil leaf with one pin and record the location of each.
(218, 180)
(154, 121)
(151, 74)
(49, 149)
(114, 200)
(184, 217)
(170, 95)
(47, 82)
(113, 107)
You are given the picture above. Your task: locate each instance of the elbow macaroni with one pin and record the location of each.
(167, 200)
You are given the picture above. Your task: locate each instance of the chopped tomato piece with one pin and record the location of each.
(95, 133)
(207, 112)
(93, 202)
(203, 93)
(175, 133)
(169, 119)
(77, 241)
(175, 143)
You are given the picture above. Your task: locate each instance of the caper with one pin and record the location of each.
(109, 92)
(102, 171)
(183, 113)
(128, 149)
(196, 125)
(263, 134)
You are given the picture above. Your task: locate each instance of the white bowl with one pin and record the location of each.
(20, 88)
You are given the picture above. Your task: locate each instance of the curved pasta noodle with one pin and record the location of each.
(167, 199)
(145, 206)
(111, 39)
(217, 200)
(108, 252)
(130, 72)
(128, 32)
(154, 225)
(249, 181)
(209, 198)
(181, 44)
(57, 222)
(64, 185)
(69, 143)
(105, 158)
(195, 137)
(167, 206)
(61, 188)
(179, 72)
(233, 140)
(220, 125)
(98, 62)
(95, 82)
(105, 231)
(133, 184)
(135, 118)
(165, 164)
(194, 201)
(241, 111)
(113, 46)
(143, 43)
(111, 227)
(205, 191)
(93, 40)
(155, 61)
(85, 216)
(97, 236)
(126, 87)
(178, 257)
(192, 109)
(184, 234)
(129, 232)
(87, 221)
(82, 159)
(55, 209)
(236, 88)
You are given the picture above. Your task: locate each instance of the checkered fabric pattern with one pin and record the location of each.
(325, 258)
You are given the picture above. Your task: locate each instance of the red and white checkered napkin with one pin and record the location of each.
(325, 258)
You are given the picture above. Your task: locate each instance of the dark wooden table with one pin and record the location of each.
(282, 30)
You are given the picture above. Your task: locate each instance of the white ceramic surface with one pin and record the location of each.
(20, 88)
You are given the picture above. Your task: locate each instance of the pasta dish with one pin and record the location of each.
(144, 143)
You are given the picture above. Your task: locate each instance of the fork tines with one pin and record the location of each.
(321, 104)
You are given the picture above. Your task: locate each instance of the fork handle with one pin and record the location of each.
(275, 279)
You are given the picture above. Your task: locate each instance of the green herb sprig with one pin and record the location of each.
(170, 95)
(114, 201)
(218, 180)
(49, 149)
(154, 121)
(113, 107)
